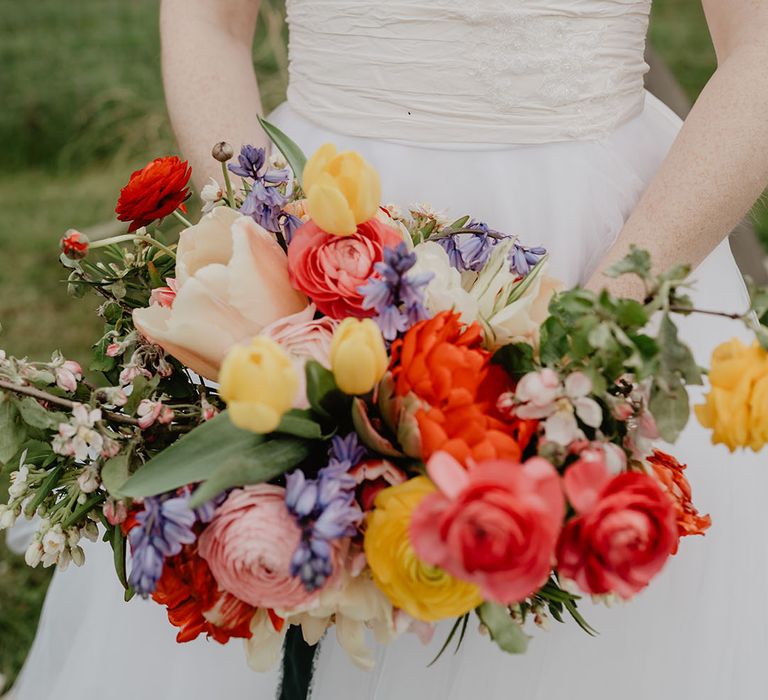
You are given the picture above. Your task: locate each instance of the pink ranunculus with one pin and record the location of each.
(249, 544)
(304, 338)
(495, 524)
(232, 282)
(624, 532)
(330, 269)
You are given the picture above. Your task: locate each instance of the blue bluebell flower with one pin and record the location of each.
(162, 529)
(325, 510)
(396, 294)
(522, 259)
(250, 162)
(265, 205)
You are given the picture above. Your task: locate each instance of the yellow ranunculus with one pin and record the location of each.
(425, 592)
(358, 356)
(736, 408)
(259, 384)
(342, 190)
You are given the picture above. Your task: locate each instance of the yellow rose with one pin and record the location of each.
(259, 384)
(342, 190)
(358, 356)
(425, 592)
(736, 408)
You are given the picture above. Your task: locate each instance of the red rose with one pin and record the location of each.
(330, 269)
(154, 192)
(624, 532)
(495, 524)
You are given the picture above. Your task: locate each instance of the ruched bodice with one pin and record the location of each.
(470, 71)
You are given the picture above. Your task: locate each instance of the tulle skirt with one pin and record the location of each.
(701, 629)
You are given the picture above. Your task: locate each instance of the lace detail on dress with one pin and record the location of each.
(494, 71)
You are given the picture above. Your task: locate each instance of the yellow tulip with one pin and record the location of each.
(342, 190)
(736, 408)
(425, 592)
(259, 384)
(358, 356)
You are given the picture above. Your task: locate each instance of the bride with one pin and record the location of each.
(531, 114)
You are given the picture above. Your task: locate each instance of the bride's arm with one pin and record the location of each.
(718, 166)
(210, 85)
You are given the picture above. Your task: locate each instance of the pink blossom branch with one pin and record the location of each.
(59, 401)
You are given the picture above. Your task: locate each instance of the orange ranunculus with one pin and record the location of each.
(195, 603)
(441, 361)
(672, 477)
(153, 192)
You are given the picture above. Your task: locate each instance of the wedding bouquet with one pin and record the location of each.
(314, 411)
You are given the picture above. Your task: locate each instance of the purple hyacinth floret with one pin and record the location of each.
(325, 510)
(264, 201)
(470, 250)
(396, 294)
(522, 259)
(162, 529)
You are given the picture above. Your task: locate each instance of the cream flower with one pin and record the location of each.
(444, 291)
(232, 283)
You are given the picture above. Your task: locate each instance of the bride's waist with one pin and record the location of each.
(534, 79)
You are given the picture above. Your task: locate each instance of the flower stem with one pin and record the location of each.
(59, 401)
(228, 185)
(136, 237)
(182, 218)
(706, 312)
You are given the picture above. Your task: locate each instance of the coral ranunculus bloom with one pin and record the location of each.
(195, 603)
(672, 477)
(441, 361)
(154, 192)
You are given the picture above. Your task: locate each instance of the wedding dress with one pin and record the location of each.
(531, 115)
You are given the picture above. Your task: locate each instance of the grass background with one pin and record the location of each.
(82, 108)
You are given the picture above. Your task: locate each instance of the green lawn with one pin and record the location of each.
(82, 107)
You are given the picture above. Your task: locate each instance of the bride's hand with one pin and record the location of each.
(718, 166)
(210, 85)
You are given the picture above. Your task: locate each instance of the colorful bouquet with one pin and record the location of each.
(318, 411)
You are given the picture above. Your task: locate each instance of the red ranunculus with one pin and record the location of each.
(195, 603)
(623, 534)
(154, 192)
(495, 524)
(331, 269)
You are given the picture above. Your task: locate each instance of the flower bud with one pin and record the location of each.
(342, 190)
(7, 517)
(358, 356)
(78, 555)
(259, 384)
(34, 554)
(223, 152)
(74, 244)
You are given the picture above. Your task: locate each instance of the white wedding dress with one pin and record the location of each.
(531, 115)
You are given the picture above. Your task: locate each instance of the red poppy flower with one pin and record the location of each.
(196, 605)
(154, 192)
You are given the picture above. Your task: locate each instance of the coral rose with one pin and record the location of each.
(330, 269)
(441, 362)
(155, 191)
(248, 546)
(425, 592)
(736, 409)
(495, 524)
(623, 534)
(231, 283)
(195, 603)
(671, 474)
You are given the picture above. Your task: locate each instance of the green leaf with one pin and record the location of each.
(101, 361)
(262, 464)
(631, 314)
(451, 635)
(13, 432)
(115, 473)
(368, 434)
(300, 424)
(507, 633)
(291, 152)
(118, 549)
(142, 389)
(194, 457)
(637, 262)
(516, 359)
(34, 415)
(675, 356)
(670, 409)
(554, 341)
(322, 393)
(49, 483)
